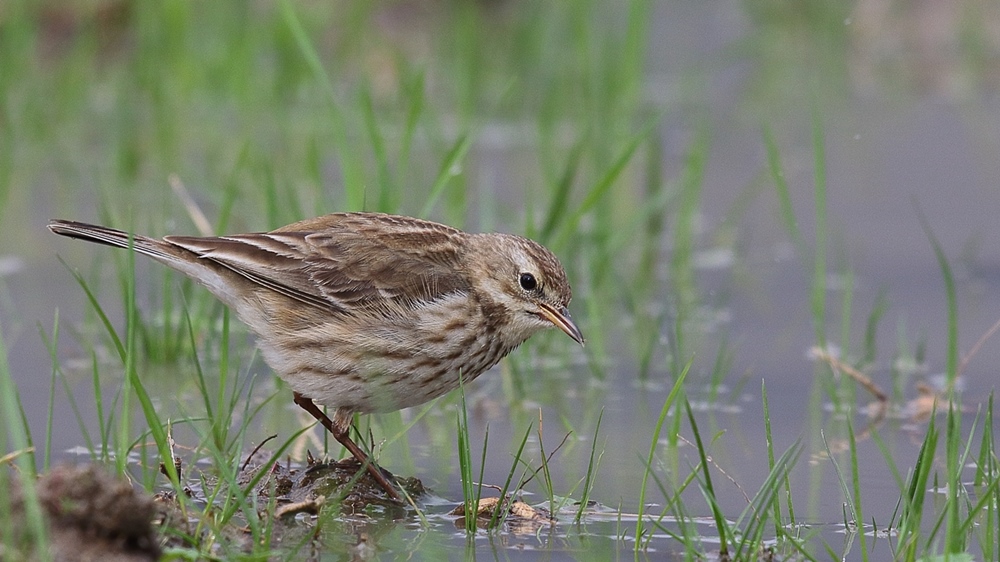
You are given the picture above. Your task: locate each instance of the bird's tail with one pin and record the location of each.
(221, 281)
(156, 249)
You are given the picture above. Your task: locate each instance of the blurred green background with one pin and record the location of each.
(732, 182)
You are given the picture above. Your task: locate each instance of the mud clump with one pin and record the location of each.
(90, 515)
(297, 488)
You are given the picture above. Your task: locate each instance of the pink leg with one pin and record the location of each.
(342, 435)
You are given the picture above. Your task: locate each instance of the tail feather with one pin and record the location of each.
(222, 282)
(113, 237)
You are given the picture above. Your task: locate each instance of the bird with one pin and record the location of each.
(368, 312)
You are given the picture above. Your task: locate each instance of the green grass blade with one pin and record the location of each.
(818, 294)
(603, 185)
(708, 489)
(353, 173)
(787, 211)
(654, 443)
(951, 369)
(560, 196)
(96, 306)
(591, 471)
(450, 168)
(497, 515)
(17, 430)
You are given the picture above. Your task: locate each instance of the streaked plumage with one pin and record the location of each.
(366, 312)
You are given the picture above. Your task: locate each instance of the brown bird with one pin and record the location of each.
(366, 312)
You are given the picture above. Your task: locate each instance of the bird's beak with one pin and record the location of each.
(560, 318)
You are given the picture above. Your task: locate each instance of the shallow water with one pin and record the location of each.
(892, 152)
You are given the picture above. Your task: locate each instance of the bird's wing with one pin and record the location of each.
(345, 262)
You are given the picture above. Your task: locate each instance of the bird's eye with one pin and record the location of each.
(528, 282)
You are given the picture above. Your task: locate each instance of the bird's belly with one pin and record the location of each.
(386, 366)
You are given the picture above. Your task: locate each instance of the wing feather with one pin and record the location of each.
(345, 262)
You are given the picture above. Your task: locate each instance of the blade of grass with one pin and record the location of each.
(772, 465)
(450, 168)
(546, 474)
(47, 457)
(242, 490)
(122, 447)
(871, 326)
(708, 489)
(17, 430)
(353, 174)
(751, 537)
(588, 483)
(859, 517)
(471, 489)
(913, 498)
(787, 211)
(105, 424)
(134, 383)
(52, 345)
(596, 192)
(654, 443)
(499, 514)
(414, 110)
(818, 294)
(560, 196)
(955, 540)
(383, 176)
(98, 309)
(951, 370)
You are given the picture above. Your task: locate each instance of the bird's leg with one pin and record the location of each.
(342, 435)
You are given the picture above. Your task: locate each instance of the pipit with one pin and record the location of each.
(366, 312)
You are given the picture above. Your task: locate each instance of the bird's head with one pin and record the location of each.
(523, 284)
